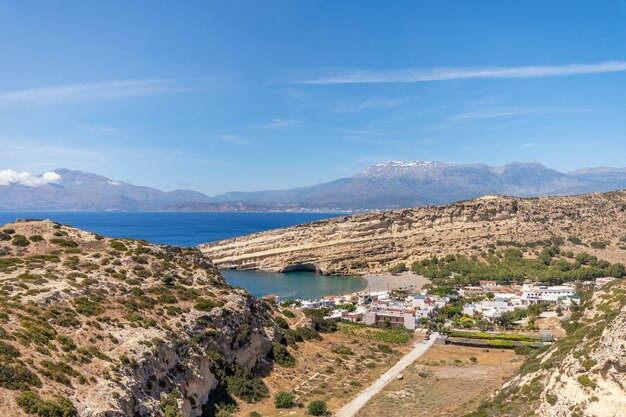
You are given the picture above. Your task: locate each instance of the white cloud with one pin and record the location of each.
(370, 103)
(8, 177)
(415, 75)
(282, 123)
(93, 91)
(480, 115)
(237, 140)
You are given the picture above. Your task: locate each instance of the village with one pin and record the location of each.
(487, 306)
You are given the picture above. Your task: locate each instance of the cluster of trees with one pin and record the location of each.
(550, 266)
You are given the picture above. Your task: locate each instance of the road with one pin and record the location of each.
(364, 396)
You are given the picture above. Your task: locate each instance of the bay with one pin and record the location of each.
(293, 285)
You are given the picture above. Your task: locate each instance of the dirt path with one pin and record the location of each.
(364, 396)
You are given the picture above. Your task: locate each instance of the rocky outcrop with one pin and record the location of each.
(374, 241)
(582, 374)
(120, 327)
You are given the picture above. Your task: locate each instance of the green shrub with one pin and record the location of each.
(118, 246)
(58, 406)
(598, 245)
(281, 355)
(20, 240)
(281, 322)
(36, 238)
(284, 399)
(17, 377)
(585, 381)
(398, 268)
(317, 408)
(203, 304)
(288, 313)
(246, 386)
(65, 243)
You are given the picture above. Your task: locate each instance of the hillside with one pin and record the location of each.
(594, 223)
(96, 327)
(583, 374)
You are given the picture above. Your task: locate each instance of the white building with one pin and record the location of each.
(544, 294)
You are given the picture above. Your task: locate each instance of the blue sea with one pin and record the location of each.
(191, 229)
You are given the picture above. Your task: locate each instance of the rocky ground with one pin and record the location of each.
(595, 223)
(93, 326)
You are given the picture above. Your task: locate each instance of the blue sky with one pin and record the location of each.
(249, 95)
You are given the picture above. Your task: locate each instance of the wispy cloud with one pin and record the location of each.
(416, 75)
(479, 115)
(234, 139)
(370, 103)
(282, 123)
(105, 90)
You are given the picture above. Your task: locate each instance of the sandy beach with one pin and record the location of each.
(386, 280)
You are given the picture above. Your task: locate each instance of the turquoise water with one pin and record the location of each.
(191, 229)
(305, 285)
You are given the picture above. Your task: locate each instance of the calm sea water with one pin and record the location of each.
(293, 285)
(191, 229)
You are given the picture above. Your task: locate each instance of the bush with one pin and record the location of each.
(36, 238)
(398, 268)
(118, 246)
(203, 304)
(288, 313)
(17, 377)
(32, 403)
(585, 381)
(246, 386)
(284, 399)
(317, 408)
(65, 243)
(281, 356)
(20, 240)
(598, 245)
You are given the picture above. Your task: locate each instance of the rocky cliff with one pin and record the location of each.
(595, 223)
(96, 327)
(583, 374)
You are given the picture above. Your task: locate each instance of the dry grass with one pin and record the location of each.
(444, 382)
(322, 374)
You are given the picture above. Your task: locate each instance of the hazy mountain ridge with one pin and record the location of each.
(395, 184)
(388, 185)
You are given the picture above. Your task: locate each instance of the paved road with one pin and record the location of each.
(364, 396)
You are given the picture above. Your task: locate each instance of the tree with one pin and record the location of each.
(490, 295)
(317, 408)
(284, 399)
(398, 268)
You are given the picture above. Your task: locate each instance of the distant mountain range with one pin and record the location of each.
(388, 185)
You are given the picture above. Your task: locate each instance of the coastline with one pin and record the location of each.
(385, 280)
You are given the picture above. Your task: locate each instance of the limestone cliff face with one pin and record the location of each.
(374, 241)
(583, 374)
(117, 326)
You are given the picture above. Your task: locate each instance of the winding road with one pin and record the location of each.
(364, 396)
